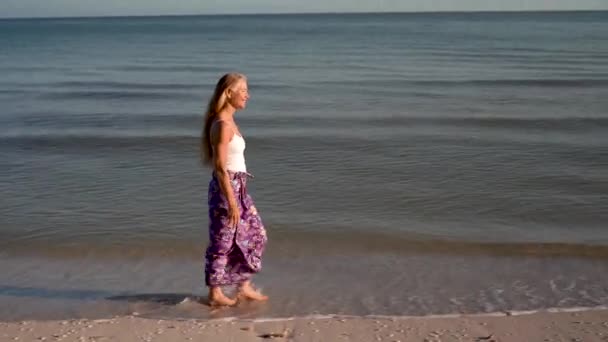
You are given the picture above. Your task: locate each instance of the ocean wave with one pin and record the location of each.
(428, 316)
(13, 91)
(65, 121)
(570, 124)
(83, 141)
(113, 86)
(115, 95)
(82, 131)
(549, 83)
(293, 244)
(582, 82)
(165, 68)
(124, 85)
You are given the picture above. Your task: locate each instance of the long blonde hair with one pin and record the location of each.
(216, 104)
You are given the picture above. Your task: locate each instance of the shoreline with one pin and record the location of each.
(574, 324)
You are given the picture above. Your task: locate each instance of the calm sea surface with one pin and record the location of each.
(405, 164)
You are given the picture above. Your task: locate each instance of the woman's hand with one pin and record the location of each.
(233, 214)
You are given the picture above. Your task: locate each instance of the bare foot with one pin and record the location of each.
(248, 292)
(217, 298)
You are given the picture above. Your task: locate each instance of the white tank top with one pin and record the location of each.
(235, 160)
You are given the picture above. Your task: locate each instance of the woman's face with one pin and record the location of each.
(238, 95)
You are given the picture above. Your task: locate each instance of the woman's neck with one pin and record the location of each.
(226, 115)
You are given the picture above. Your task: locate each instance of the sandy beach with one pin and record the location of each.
(585, 325)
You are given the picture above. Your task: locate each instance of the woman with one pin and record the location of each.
(236, 234)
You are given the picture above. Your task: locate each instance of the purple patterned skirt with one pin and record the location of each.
(234, 254)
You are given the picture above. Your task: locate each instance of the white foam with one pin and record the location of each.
(395, 317)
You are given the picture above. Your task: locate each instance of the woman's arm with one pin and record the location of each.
(221, 134)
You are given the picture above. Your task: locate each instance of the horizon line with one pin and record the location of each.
(118, 16)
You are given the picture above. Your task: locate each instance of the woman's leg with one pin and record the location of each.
(255, 235)
(218, 269)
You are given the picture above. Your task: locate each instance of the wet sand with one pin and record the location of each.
(585, 325)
